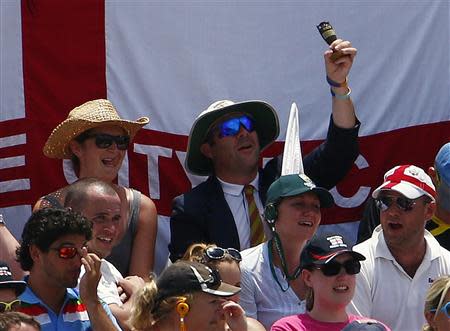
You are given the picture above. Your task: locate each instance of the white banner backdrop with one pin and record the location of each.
(171, 59)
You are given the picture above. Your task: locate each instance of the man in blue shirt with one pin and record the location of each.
(53, 248)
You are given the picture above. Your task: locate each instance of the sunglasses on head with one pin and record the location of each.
(66, 252)
(445, 309)
(333, 268)
(10, 306)
(384, 202)
(104, 140)
(218, 253)
(232, 126)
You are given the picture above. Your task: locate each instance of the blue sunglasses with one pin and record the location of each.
(445, 309)
(232, 126)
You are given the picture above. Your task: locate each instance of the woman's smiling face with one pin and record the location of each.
(101, 163)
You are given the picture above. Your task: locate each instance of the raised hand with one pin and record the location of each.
(91, 277)
(339, 69)
(234, 316)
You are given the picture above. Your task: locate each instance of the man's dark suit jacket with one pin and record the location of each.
(203, 215)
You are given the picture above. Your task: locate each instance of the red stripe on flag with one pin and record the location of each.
(64, 65)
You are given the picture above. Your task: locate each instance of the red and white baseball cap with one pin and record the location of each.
(409, 180)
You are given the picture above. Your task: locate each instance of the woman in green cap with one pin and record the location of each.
(271, 288)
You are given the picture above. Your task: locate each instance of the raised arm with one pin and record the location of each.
(337, 72)
(99, 314)
(328, 163)
(8, 246)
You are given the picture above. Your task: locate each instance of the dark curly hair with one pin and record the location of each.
(47, 225)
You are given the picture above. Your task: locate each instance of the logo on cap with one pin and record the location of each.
(409, 180)
(336, 241)
(307, 181)
(4, 271)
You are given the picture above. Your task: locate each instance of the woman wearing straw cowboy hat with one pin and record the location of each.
(96, 139)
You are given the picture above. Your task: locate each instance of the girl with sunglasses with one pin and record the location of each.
(328, 268)
(96, 140)
(226, 262)
(437, 305)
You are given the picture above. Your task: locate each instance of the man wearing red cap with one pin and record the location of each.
(439, 224)
(403, 258)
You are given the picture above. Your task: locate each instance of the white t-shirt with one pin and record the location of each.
(261, 296)
(107, 287)
(384, 291)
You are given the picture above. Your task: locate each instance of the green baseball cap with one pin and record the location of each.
(296, 184)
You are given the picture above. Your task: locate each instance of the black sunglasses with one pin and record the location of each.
(333, 268)
(104, 140)
(218, 253)
(384, 202)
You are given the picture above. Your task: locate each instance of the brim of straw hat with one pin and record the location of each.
(88, 116)
(266, 126)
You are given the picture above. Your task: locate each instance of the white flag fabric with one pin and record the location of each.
(292, 152)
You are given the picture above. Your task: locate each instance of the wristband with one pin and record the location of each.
(2, 221)
(341, 96)
(336, 84)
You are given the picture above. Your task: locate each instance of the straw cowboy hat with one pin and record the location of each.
(87, 116)
(266, 126)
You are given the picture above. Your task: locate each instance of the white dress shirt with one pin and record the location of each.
(235, 198)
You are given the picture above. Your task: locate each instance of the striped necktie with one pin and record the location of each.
(256, 227)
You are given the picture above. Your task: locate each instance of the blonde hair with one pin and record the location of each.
(196, 252)
(435, 297)
(309, 298)
(146, 311)
(309, 293)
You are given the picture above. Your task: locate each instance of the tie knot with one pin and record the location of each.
(248, 189)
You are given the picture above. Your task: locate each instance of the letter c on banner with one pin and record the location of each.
(360, 196)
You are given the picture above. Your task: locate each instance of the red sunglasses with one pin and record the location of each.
(66, 252)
